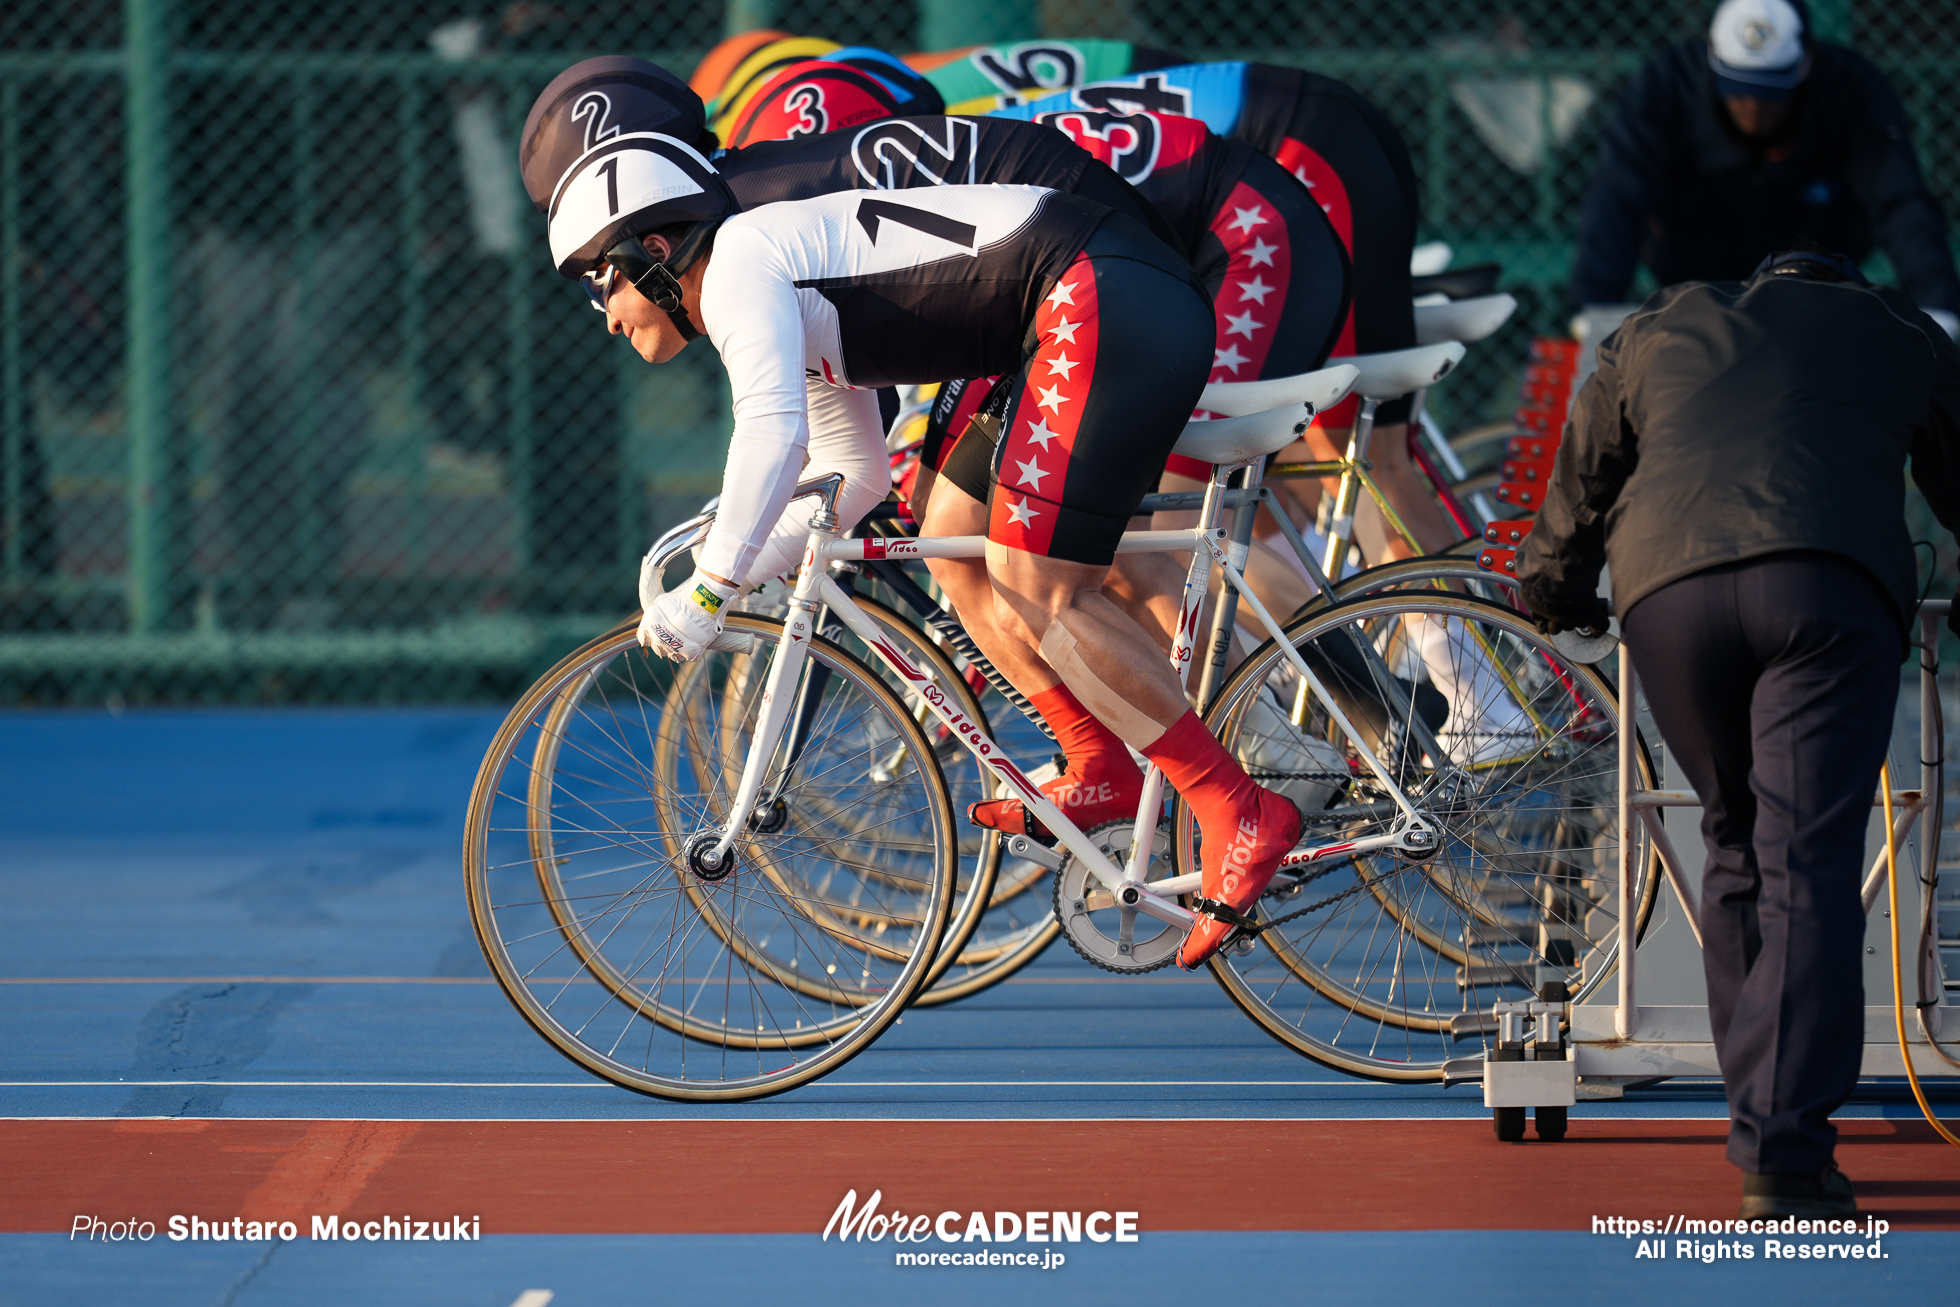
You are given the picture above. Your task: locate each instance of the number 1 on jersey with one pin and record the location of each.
(932, 224)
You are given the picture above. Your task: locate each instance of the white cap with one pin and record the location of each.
(1757, 43)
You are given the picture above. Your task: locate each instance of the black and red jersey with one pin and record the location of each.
(903, 153)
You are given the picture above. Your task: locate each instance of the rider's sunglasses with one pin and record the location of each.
(630, 259)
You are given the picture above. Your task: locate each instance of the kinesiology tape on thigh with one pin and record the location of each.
(1131, 724)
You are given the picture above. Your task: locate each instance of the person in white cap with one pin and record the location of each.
(1759, 138)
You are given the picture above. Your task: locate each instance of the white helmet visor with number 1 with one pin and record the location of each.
(626, 186)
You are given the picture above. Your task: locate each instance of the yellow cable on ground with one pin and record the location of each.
(1898, 972)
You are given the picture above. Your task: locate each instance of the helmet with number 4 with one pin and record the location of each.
(810, 99)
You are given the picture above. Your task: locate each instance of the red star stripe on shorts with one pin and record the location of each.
(1259, 264)
(1330, 193)
(1253, 294)
(1040, 436)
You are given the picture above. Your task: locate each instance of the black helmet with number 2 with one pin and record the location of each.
(607, 153)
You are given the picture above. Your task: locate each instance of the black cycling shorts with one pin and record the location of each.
(1117, 355)
(1355, 163)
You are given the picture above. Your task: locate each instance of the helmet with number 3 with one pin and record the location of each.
(810, 99)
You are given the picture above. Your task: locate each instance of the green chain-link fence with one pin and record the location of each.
(294, 408)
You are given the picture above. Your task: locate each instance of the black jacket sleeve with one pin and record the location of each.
(1936, 445)
(1883, 176)
(1633, 154)
(1558, 568)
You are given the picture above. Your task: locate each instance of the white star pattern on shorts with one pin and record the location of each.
(1246, 219)
(1255, 290)
(1260, 252)
(1229, 357)
(1040, 434)
(1062, 294)
(1032, 473)
(1063, 364)
(1052, 397)
(1242, 324)
(1065, 331)
(1022, 514)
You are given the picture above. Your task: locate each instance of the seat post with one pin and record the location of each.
(1225, 616)
(1340, 534)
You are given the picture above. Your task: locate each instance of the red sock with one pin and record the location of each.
(1102, 783)
(1198, 767)
(1247, 828)
(1094, 753)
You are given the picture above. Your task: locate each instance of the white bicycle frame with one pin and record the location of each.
(1411, 836)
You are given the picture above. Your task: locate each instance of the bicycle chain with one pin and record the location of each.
(1329, 902)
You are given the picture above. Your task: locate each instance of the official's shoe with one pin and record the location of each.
(1818, 1195)
(1236, 876)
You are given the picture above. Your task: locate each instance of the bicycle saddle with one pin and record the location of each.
(1321, 389)
(1241, 439)
(1397, 372)
(1464, 320)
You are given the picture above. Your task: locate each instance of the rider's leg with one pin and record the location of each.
(1106, 660)
(1118, 349)
(1101, 782)
(954, 512)
(1149, 588)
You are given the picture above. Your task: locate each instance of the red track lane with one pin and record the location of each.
(728, 1177)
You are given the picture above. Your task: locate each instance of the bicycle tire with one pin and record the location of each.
(1524, 821)
(524, 927)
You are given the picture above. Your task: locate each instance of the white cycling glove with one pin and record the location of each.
(681, 623)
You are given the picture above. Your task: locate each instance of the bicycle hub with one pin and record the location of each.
(769, 818)
(1418, 844)
(702, 861)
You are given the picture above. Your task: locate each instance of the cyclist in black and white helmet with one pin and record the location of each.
(814, 303)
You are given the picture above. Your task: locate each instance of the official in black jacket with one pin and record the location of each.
(1765, 581)
(1708, 165)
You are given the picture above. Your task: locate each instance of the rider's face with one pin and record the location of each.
(632, 315)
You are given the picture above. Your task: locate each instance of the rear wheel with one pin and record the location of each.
(1388, 967)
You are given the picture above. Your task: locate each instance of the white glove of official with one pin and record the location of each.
(681, 623)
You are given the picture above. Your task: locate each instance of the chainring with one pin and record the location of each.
(1093, 923)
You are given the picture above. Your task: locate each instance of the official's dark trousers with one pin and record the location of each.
(1773, 682)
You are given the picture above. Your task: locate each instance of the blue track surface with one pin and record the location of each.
(272, 902)
(260, 914)
(1396, 1270)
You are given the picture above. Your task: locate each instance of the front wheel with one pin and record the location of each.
(696, 982)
